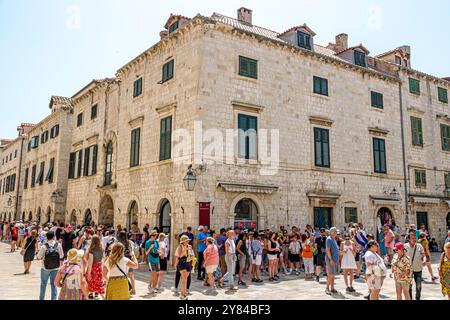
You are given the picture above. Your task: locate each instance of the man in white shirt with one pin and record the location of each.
(416, 253)
(51, 254)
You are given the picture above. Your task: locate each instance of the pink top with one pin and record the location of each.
(211, 255)
(389, 239)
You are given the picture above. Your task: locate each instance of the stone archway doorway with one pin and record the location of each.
(88, 217)
(73, 218)
(132, 215)
(164, 217)
(106, 214)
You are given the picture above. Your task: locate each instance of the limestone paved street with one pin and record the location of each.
(16, 286)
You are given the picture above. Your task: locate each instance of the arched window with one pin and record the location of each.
(246, 214)
(73, 218)
(88, 217)
(164, 217)
(108, 164)
(132, 215)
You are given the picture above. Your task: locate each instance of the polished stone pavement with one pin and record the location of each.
(16, 286)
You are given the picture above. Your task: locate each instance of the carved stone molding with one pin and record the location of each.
(321, 121)
(378, 131)
(246, 106)
(247, 187)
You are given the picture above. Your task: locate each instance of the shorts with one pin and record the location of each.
(374, 282)
(183, 265)
(211, 269)
(390, 251)
(153, 267)
(402, 283)
(272, 256)
(294, 257)
(163, 264)
(222, 262)
(257, 261)
(264, 257)
(242, 259)
(357, 256)
(318, 260)
(13, 238)
(330, 270)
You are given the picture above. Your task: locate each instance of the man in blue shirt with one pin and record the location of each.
(189, 234)
(201, 247)
(152, 252)
(331, 260)
(220, 241)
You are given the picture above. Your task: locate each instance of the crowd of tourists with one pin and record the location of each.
(98, 262)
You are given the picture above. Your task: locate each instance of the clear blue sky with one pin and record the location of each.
(55, 47)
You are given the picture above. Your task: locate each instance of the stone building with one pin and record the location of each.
(45, 165)
(279, 131)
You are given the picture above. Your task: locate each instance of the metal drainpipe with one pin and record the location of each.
(18, 175)
(403, 154)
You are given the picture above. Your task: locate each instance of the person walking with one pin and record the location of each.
(348, 264)
(307, 256)
(211, 255)
(425, 244)
(375, 270)
(444, 270)
(51, 254)
(201, 246)
(128, 244)
(115, 270)
(401, 271)
(242, 254)
(68, 239)
(331, 260)
(163, 254)
(70, 278)
(416, 253)
(29, 249)
(94, 268)
(14, 236)
(183, 260)
(230, 259)
(152, 252)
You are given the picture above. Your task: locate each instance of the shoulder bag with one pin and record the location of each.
(377, 270)
(130, 287)
(22, 252)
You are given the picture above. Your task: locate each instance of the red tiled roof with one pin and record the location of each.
(172, 18)
(360, 46)
(303, 26)
(60, 100)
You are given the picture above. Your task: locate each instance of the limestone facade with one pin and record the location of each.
(208, 93)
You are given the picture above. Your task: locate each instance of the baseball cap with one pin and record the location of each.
(399, 246)
(200, 228)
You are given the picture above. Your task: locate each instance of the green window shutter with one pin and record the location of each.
(135, 144)
(71, 165)
(80, 163)
(377, 100)
(165, 141)
(242, 127)
(445, 137)
(168, 143)
(320, 86)
(162, 139)
(247, 137)
(167, 71)
(442, 95)
(322, 147)
(248, 67)
(87, 153)
(25, 183)
(379, 155)
(416, 131)
(447, 181)
(414, 86)
(94, 159)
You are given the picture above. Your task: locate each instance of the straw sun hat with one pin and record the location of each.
(74, 256)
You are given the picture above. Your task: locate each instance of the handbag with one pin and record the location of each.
(130, 287)
(377, 270)
(22, 252)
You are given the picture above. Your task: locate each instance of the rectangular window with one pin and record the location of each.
(80, 119)
(80, 163)
(442, 95)
(173, 27)
(94, 112)
(447, 181)
(379, 155)
(414, 86)
(25, 179)
(33, 176)
(351, 215)
(165, 139)
(422, 218)
(323, 217)
(40, 177)
(421, 178)
(398, 60)
(304, 40)
(445, 137)
(416, 131)
(135, 142)
(49, 176)
(321, 86)
(321, 147)
(248, 67)
(15, 154)
(56, 131)
(72, 160)
(94, 159)
(34, 142)
(167, 71)
(87, 154)
(247, 137)
(137, 87)
(360, 59)
(377, 100)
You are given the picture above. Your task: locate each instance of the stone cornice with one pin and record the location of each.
(77, 144)
(245, 106)
(415, 110)
(136, 122)
(93, 138)
(443, 117)
(378, 131)
(247, 187)
(166, 108)
(49, 118)
(321, 121)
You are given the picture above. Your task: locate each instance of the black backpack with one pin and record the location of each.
(108, 246)
(51, 258)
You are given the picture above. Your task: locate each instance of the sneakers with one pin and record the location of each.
(276, 277)
(348, 289)
(241, 283)
(233, 288)
(259, 281)
(151, 289)
(327, 291)
(334, 291)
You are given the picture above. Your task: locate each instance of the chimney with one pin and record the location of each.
(244, 15)
(341, 42)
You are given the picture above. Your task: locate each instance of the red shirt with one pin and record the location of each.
(14, 232)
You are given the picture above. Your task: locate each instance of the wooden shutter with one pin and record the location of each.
(87, 153)
(94, 159)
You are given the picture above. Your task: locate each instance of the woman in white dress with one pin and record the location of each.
(348, 264)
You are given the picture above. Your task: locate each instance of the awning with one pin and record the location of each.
(427, 200)
(247, 187)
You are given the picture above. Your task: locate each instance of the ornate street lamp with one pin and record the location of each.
(10, 201)
(190, 179)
